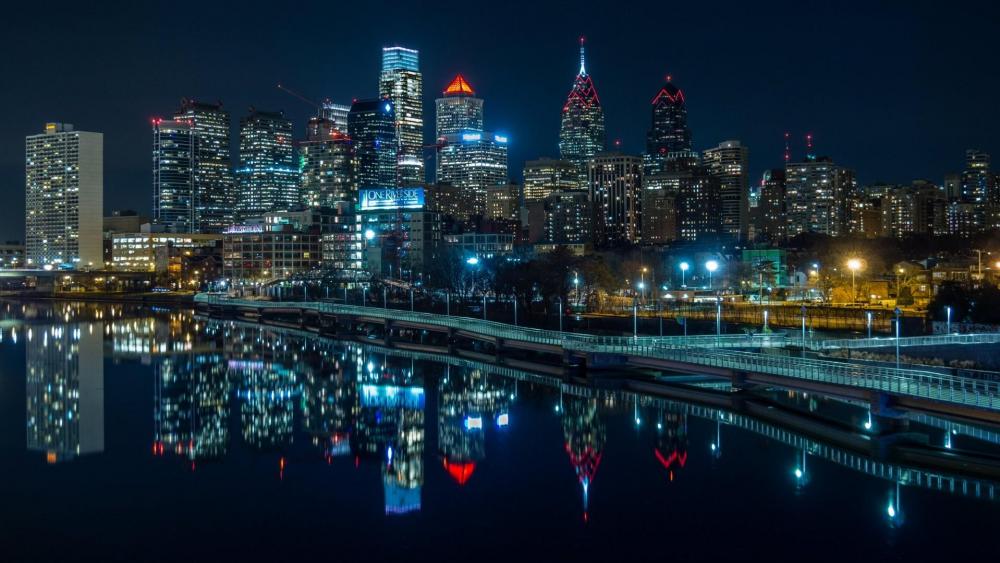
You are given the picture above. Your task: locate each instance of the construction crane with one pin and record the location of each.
(291, 92)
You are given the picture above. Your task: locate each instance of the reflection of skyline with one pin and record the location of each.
(65, 390)
(192, 407)
(379, 410)
(585, 438)
(469, 401)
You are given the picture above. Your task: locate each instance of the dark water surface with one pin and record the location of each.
(142, 434)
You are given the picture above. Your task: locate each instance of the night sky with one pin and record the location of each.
(896, 90)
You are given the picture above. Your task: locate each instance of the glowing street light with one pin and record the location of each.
(369, 234)
(948, 312)
(711, 266)
(684, 268)
(853, 265)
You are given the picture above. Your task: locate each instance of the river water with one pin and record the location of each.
(136, 433)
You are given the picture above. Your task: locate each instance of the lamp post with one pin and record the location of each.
(898, 314)
(803, 330)
(684, 268)
(484, 305)
(718, 316)
(411, 299)
(447, 303)
(560, 314)
(576, 287)
(868, 316)
(635, 319)
(642, 284)
(765, 320)
(364, 294)
(948, 312)
(854, 265)
(385, 298)
(515, 310)
(711, 266)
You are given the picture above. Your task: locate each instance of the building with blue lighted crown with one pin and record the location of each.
(399, 236)
(268, 176)
(401, 82)
(371, 124)
(469, 157)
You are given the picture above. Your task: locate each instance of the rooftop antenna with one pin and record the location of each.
(810, 154)
(788, 148)
(583, 66)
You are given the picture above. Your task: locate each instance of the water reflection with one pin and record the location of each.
(270, 387)
(65, 390)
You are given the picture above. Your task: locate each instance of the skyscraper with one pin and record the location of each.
(977, 187)
(459, 109)
(174, 197)
(469, 157)
(402, 83)
(268, 175)
(213, 179)
(668, 132)
(816, 196)
(372, 126)
(581, 134)
(64, 197)
(729, 163)
(547, 175)
(770, 220)
(615, 191)
(328, 165)
(336, 114)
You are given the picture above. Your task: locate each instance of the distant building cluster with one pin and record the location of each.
(362, 195)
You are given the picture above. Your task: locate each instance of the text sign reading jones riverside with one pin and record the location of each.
(392, 198)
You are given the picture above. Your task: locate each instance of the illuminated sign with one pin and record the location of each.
(241, 229)
(392, 198)
(500, 138)
(472, 136)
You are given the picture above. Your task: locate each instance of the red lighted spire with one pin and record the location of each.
(459, 87)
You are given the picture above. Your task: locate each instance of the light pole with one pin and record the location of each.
(803, 329)
(576, 287)
(854, 265)
(515, 310)
(484, 305)
(868, 316)
(635, 319)
(898, 313)
(711, 266)
(642, 284)
(948, 311)
(718, 316)
(765, 320)
(560, 314)
(684, 269)
(447, 303)
(385, 299)
(411, 299)
(364, 294)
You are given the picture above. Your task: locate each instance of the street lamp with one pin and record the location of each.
(576, 287)
(948, 311)
(711, 266)
(684, 269)
(854, 265)
(898, 314)
(868, 316)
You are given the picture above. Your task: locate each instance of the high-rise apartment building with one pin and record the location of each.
(402, 83)
(328, 165)
(64, 198)
(175, 203)
(268, 175)
(615, 193)
(816, 196)
(770, 221)
(371, 124)
(581, 133)
(729, 162)
(568, 217)
(547, 175)
(212, 163)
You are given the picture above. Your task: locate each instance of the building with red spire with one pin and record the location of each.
(582, 134)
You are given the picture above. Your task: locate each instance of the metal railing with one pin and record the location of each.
(694, 350)
(883, 342)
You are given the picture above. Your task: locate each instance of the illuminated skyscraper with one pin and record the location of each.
(459, 110)
(328, 165)
(615, 186)
(547, 175)
(174, 198)
(336, 114)
(64, 197)
(581, 134)
(402, 83)
(770, 221)
(213, 179)
(729, 163)
(372, 126)
(816, 196)
(469, 157)
(268, 176)
(668, 132)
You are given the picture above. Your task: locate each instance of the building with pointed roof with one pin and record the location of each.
(668, 132)
(459, 109)
(581, 133)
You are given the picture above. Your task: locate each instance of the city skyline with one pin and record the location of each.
(894, 132)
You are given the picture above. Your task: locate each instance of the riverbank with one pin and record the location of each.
(185, 298)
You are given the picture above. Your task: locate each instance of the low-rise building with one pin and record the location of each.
(11, 254)
(255, 253)
(136, 252)
(481, 245)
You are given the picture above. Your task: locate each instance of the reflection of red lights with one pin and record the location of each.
(668, 462)
(586, 463)
(460, 472)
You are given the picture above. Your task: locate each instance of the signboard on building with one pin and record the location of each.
(392, 198)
